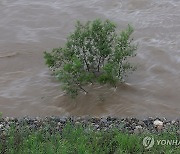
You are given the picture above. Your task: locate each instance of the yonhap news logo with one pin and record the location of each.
(149, 142)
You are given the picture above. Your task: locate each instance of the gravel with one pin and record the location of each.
(130, 125)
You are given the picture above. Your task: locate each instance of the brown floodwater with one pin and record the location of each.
(29, 27)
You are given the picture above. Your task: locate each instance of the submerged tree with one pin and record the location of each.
(94, 52)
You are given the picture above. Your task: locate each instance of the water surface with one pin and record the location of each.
(29, 27)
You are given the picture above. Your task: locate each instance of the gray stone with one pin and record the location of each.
(103, 120)
(141, 123)
(138, 130)
(178, 132)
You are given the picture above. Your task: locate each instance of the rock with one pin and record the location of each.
(111, 126)
(164, 119)
(59, 124)
(141, 123)
(173, 122)
(148, 122)
(96, 126)
(95, 119)
(71, 119)
(134, 120)
(150, 119)
(127, 120)
(6, 119)
(63, 120)
(77, 123)
(133, 125)
(1, 125)
(138, 130)
(11, 118)
(158, 124)
(110, 119)
(103, 120)
(178, 132)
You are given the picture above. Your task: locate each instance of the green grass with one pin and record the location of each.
(77, 140)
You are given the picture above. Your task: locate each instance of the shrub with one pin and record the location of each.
(94, 52)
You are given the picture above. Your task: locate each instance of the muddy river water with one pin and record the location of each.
(29, 27)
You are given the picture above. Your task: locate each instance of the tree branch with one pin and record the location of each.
(99, 62)
(84, 55)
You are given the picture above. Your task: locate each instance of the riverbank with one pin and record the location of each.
(131, 125)
(87, 135)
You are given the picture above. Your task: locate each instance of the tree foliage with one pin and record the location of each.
(94, 52)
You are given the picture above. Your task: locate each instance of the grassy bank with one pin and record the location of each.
(76, 139)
